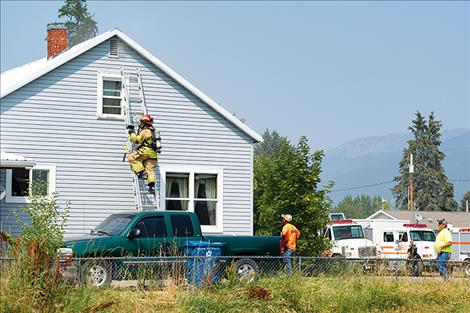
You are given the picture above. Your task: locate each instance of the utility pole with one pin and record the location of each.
(411, 181)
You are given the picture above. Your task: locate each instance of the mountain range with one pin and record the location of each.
(368, 165)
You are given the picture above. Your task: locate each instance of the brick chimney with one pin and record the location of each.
(56, 40)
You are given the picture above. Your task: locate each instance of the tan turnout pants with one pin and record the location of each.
(139, 162)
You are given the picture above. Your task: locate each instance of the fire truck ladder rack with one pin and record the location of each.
(134, 106)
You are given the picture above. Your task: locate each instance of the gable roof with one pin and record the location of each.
(18, 77)
(383, 213)
(457, 219)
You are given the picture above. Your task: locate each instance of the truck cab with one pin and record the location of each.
(347, 240)
(393, 243)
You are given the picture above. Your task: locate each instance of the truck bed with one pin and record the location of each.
(248, 245)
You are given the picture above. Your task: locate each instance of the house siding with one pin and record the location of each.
(54, 120)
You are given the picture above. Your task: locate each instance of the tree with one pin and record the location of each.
(360, 206)
(465, 199)
(80, 24)
(431, 189)
(286, 180)
(272, 142)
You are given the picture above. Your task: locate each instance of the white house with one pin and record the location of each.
(59, 124)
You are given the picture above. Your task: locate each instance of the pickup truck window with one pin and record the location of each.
(152, 227)
(182, 225)
(114, 224)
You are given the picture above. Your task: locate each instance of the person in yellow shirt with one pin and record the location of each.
(443, 248)
(289, 236)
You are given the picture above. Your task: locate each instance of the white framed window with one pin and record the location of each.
(109, 102)
(197, 189)
(22, 182)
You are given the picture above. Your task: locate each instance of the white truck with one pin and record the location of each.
(460, 255)
(392, 238)
(347, 240)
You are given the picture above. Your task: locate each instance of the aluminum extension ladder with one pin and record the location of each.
(134, 106)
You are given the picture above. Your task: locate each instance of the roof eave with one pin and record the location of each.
(71, 54)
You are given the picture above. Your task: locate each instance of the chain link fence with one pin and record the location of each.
(201, 271)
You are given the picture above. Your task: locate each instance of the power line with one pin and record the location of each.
(364, 186)
(387, 182)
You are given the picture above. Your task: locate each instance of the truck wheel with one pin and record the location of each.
(96, 273)
(466, 267)
(247, 270)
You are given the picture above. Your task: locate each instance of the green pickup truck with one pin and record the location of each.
(157, 234)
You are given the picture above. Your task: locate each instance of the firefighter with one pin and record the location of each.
(289, 236)
(413, 258)
(144, 159)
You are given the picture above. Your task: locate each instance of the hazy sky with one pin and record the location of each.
(331, 71)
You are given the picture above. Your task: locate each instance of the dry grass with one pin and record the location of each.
(294, 294)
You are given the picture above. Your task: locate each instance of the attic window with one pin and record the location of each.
(113, 47)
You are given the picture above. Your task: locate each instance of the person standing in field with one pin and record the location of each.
(289, 236)
(443, 248)
(413, 258)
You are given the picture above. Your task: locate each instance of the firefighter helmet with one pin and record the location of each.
(146, 119)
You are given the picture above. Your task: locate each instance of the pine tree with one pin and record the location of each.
(431, 189)
(465, 199)
(272, 142)
(80, 24)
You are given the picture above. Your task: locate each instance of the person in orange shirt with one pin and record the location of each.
(289, 236)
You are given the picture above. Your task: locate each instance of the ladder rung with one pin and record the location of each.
(132, 99)
(149, 205)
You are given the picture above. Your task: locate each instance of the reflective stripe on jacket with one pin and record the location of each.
(144, 138)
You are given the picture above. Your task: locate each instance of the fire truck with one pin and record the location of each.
(460, 256)
(347, 240)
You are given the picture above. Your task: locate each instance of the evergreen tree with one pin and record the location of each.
(80, 24)
(463, 202)
(286, 181)
(431, 189)
(360, 206)
(272, 142)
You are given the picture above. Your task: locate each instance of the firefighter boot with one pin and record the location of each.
(142, 175)
(151, 187)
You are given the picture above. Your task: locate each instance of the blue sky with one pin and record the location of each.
(332, 71)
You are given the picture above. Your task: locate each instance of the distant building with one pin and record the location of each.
(456, 219)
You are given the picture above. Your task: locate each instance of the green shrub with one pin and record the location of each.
(32, 281)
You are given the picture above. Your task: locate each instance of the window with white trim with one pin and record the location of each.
(194, 189)
(24, 182)
(109, 95)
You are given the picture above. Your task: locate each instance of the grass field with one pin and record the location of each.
(281, 294)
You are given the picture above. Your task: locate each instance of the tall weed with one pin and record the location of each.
(32, 280)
